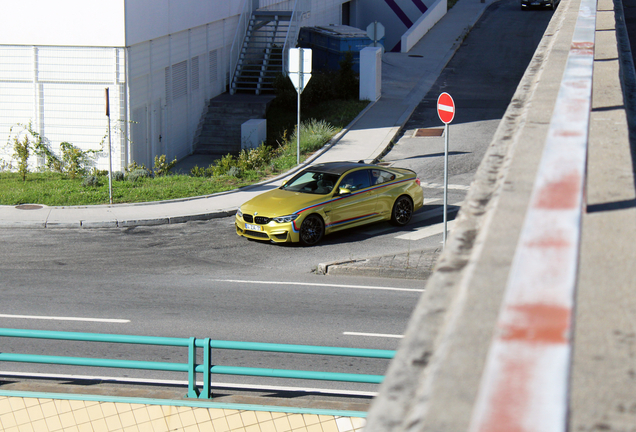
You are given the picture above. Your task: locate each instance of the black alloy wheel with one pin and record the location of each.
(402, 211)
(311, 230)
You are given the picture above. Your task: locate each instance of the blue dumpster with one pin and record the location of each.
(329, 45)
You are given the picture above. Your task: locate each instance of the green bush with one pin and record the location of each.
(118, 176)
(223, 165)
(197, 171)
(321, 88)
(137, 174)
(348, 84)
(91, 181)
(21, 152)
(255, 158)
(162, 167)
(74, 159)
(313, 135)
(234, 171)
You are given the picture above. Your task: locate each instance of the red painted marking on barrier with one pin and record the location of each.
(582, 45)
(538, 324)
(509, 398)
(549, 243)
(582, 48)
(567, 134)
(560, 194)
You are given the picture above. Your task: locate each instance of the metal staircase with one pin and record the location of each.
(261, 55)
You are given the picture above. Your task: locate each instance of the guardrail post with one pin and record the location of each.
(207, 373)
(193, 391)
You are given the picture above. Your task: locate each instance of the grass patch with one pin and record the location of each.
(58, 189)
(54, 189)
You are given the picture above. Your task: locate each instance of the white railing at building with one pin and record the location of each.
(300, 10)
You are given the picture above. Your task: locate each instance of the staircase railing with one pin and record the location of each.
(301, 9)
(241, 29)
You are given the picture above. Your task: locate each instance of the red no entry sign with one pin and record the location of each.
(445, 108)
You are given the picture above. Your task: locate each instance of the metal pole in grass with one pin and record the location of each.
(299, 74)
(298, 126)
(110, 157)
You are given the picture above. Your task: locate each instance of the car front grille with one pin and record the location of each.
(248, 218)
(257, 234)
(262, 220)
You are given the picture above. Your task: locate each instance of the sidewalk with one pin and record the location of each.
(406, 78)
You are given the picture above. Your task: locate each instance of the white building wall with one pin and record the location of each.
(171, 80)
(152, 19)
(177, 58)
(60, 91)
(324, 12)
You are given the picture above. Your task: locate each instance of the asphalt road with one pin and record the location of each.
(200, 279)
(482, 78)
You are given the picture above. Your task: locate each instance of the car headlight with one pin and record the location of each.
(286, 219)
(239, 213)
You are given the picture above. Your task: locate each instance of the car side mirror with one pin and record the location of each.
(344, 191)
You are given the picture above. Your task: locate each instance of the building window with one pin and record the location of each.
(214, 72)
(194, 78)
(180, 79)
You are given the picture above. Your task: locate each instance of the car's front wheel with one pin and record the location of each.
(402, 211)
(311, 230)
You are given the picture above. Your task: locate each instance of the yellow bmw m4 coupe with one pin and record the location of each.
(330, 197)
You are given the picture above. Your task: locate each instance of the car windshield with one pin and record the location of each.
(311, 182)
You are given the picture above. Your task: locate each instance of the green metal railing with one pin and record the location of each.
(191, 367)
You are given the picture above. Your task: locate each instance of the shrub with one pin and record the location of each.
(313, 135)
(91, 181)
(285, 91)
(320, 88)
(223, 165)
(134, 165)
(255, 158)
(74, 159)
(234, 171)
(162, 167)
(348, 85)
(137, 174)
(5, 166)
(197, 171)
(118, 176)
(21, 153)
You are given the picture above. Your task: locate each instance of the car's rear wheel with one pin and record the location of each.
(311, 230)
(402, 211)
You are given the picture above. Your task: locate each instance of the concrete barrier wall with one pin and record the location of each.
(434, 380)
(423, 25)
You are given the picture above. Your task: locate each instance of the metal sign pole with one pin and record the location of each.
(445, 180)
(300, 80)
(110, 156)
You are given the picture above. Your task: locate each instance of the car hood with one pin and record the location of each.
(280, 202)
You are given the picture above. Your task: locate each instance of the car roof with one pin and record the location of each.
(338, 168)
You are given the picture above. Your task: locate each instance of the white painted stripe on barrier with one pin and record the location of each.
(525, 383)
